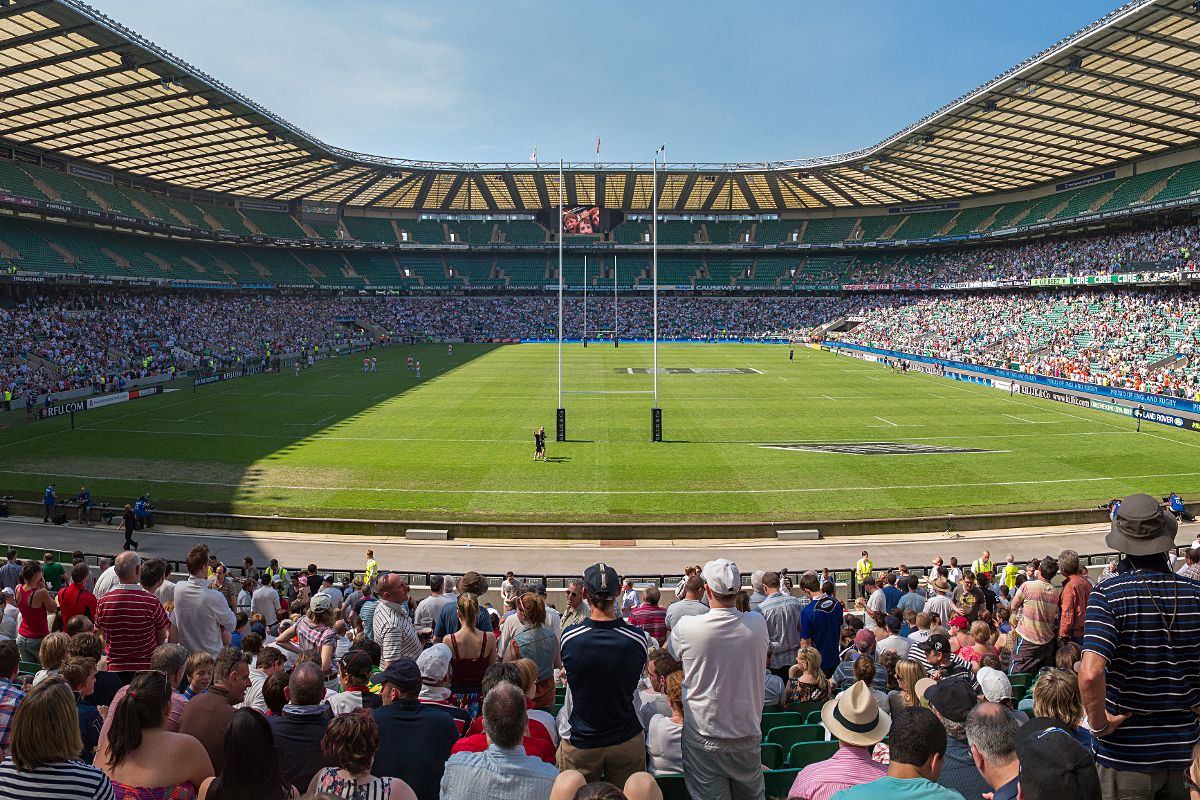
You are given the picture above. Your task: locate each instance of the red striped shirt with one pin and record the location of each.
(129, 619)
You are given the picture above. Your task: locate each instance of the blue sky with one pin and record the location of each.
(715, 81)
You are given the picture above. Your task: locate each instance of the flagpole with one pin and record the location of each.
(585, 301)
(656, 412)
(561, 432)
(614, 301)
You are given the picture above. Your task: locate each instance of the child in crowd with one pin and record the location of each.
(199, 671)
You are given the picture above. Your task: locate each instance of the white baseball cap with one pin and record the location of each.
(722, 576)
(995, 684)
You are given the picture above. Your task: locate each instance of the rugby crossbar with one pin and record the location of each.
(618, 391)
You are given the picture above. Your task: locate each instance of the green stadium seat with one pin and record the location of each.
(802, 754)
(1020, 679)
(779, 720)
(788, 735)
(772, 755)
(806, 708)
(778, 782)
(813, 717)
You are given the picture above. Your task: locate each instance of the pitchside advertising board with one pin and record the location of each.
(88, 403)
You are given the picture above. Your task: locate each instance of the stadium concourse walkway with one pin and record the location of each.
(557, 557)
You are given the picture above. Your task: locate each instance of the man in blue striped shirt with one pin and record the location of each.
(1141, 658)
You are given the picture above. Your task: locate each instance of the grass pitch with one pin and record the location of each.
(458, 443)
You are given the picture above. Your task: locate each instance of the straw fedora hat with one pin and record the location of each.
(854, 718)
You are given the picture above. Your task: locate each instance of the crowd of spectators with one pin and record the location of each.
(301, 684)
(1145, 340)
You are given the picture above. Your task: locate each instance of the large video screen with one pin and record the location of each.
(581, 220)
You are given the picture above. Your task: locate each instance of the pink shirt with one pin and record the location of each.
(849, 766)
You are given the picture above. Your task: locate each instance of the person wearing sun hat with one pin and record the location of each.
(1141, 655)
(939, 603)
(857, 724)
(723, 654)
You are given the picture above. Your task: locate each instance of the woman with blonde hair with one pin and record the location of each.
(981, 644)
(908, 672)
(43, 762)
(806, 680)
(473, 651)
(537, 642)
(1056, 695)
(529, 671)
(664, 735)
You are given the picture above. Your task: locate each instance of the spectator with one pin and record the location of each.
(893, 641)
(782, 613)
(80, 675)
(942, 663)
(140, 754)
(909, 675)
(51, 654)
(251, 765)
(856, 723)
(917, 743)
(313, 633)
(222, 583)
(1055, 766)
(604, 658)
(1036, 632)
(723, 653)
(415, 739)
(1056, 695)
(650, 616)
(537, 642)
(75, 598)
(54, 572)
(920, 635)
(274, 693)
(864, 647)
(393, 629)
(912, 599)
(199, 671)
(577, 608)
(774, 688)
(938, 603)
(756, 583)
(821, 620)
(653, 698)
(968, 597)
(44, 761)
(106, 684)
(434, 663)
(1072, 598)
(202, 615)
(264, 601)
(992, 734)
(664, 733)
(447, 621)
(297, 732)
(876, 598)
(131, 620)
(429, 608)
(995, 687)
(35, 602)
(1191, 564)
(538, 741)
(10, 572)
(806, 680)
(690, 605)
(269, 661)
(473, 652)
(10, 695)
(503, 770)
(207, 716)
(508, 588)
(350, 742)
(354, 676)
(169, 660)
(952, 701)
(571, 785)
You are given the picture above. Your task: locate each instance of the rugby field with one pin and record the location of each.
(750, 436)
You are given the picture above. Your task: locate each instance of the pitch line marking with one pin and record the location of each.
(1022, 419)
(193, 416)
(706, 491)
(889, 422)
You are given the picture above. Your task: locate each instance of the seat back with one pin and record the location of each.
(802, 754)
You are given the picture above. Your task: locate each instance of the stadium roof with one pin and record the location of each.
(79, 86)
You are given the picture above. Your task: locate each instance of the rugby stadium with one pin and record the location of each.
(992, 311)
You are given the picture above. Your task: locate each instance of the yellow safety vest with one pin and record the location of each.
(862, 569)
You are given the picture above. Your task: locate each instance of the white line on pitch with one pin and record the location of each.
(1029, 421)
(889, 422)
(782, 378)
(827, 397)
(193, 416)
(324, 419)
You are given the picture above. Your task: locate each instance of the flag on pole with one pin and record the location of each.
(597, 146)
(533, 155)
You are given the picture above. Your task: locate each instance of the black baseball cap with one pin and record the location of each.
(403, 673)
(936, 643)
(1053, 762)
(953, 699)
(601, 580)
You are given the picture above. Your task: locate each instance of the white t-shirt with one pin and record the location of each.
(684, 608)
(894, 642)
(265, 601)
(724, 653)
(106, 582)
(200, 615)
(877, 602)
(664, 741)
